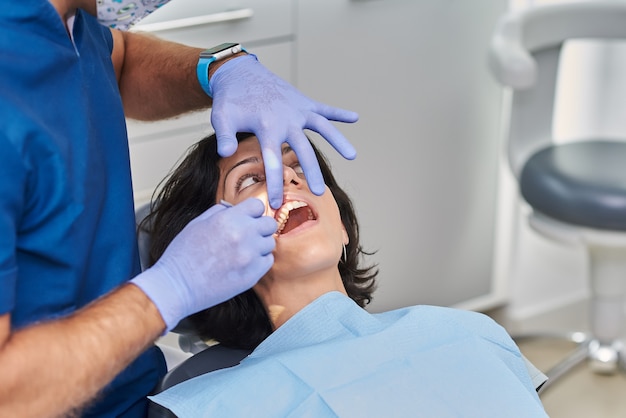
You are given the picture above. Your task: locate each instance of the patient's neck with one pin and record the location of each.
(283, 298)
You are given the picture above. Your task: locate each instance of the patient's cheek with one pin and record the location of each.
(263, 198)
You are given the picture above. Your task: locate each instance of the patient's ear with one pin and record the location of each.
(344, 235)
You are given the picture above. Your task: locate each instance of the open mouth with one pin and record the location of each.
(291, 215)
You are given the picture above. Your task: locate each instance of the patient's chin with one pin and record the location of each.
(293, 260)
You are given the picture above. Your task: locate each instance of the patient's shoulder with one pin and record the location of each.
(445, 322)
(439, 313)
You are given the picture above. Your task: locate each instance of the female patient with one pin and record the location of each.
(317, 352)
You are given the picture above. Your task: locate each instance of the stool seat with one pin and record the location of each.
(581, 183)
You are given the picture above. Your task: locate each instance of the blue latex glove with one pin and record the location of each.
(247, 97)
(218, 255)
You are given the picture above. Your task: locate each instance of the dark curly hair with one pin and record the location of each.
(188, 191)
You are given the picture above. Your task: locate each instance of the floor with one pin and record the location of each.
(581, 393)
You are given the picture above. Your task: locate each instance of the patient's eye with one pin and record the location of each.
(297, 168)
(291, 160)
(247, 180)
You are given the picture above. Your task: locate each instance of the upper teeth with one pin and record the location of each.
(283, 214)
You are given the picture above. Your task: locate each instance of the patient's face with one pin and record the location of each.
(310, 233)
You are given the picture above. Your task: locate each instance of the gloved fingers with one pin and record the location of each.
(331, 134)
(266, 245)
(225, 133)
(252, 207)
(335, 113)
(308, 161)
(266, 226)
(261, 266)
(210, 212)
(267, 263)
(273, 161)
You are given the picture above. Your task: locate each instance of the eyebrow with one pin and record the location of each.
(249, 160)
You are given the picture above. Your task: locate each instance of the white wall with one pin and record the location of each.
(425, 180)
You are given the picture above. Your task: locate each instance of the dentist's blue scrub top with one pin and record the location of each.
(67, 226)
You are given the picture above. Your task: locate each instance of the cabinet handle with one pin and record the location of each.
(187, 22)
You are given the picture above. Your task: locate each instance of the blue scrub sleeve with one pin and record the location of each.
(12, 178)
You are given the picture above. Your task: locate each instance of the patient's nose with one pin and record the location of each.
(290, 176)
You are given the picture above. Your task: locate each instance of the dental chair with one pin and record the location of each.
(576, 189)
(204, 358)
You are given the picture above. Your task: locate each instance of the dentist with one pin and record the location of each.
(77, 318)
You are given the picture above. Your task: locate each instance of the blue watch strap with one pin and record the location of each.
(210, 55)
(202, 70)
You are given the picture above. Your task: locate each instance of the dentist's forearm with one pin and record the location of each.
(157, 78)
(53, 368)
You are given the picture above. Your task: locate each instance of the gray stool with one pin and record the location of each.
(577, 190)
(578, 193)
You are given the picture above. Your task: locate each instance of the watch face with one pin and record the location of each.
(226, 47)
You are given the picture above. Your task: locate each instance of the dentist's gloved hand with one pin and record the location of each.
(247, 97)
(218, 255)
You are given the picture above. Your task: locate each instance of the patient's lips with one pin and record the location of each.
(291, 215)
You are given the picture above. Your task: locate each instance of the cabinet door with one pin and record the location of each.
(206, 23)
(425, 179)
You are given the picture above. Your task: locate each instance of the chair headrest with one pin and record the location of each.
(184, 327)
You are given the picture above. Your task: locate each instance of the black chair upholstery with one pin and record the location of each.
(213, 358)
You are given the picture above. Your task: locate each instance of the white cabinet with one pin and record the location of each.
(426, 177)
(265, 27)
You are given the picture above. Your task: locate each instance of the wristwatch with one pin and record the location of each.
(208, 56)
